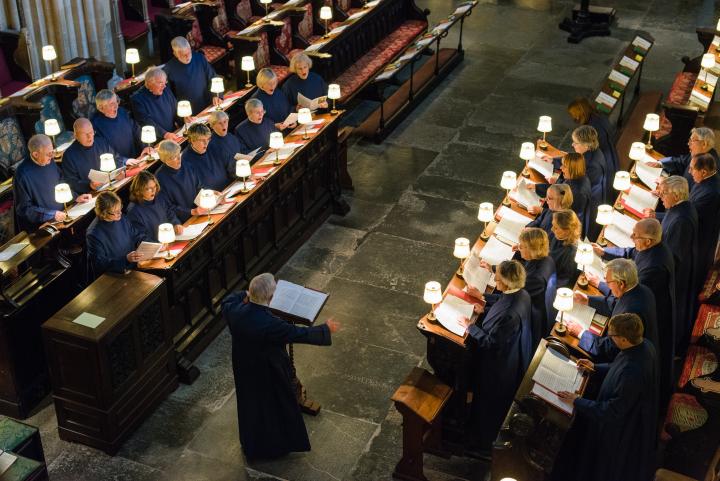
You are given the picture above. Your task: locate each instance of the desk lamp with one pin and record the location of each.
(527, 153)
(52, 128)
(277, 143)
(247, 64)
(604, 218)
(544, 126)
(485, 214)
(433, 295)
(462, 252)
(334, 94)
(217, 86)
(132, 56)
(508, 182)
(304, 118)
(242, 170)
(107, 164)
(563, 303)
(707, 62)
(49, 54)
(166, 236)
(148, 136)
(208, 202)
(63, 195)
(584, 256)
(184, 110)
(622, 183)
(651, 124)
(266, 3)
(326, 14)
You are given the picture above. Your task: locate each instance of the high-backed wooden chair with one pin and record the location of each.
(13, 77)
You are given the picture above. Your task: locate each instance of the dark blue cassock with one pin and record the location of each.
(565, 265)
(543, 221)
(503, 343)
(156, 110)
(622, 422)
(213, 172)
(277, 107)
(600, 188)
(312, 87)
(180, 187)
(78, 160)
(656, 270)
(705, 197)
(269, 417)
(638, 300)
(225, 148)
(108, 244)
(34, 191)
(678, 165)
(147, 216)
(192, 81)
(122, 132)
(680, 234)
(252, 135)
(606, 137)
(537, 276)
(581, 196)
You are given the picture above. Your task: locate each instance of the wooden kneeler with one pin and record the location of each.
(420, 400)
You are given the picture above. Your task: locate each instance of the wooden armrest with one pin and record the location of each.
(686, 107)
(666, 475)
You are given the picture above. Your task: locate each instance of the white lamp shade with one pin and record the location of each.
(584, 254)
(276, 140)
(132, 56)
(48, 53)
(242, 168)
(166, 233)
(433, 293)
(148, 135)
(717, 27)
(545, 124)
(51, 127)
(326, 13)
(266, 1)
(184, 109)
(462, 248)
(486, 212)
(527, 151)
(604, 214)
(508, 479)
(509, 180)
(304, 116)
(217, 85)
(708, 60)
(207, 199)
(247, 63)
(333, 91)
(637, 151)
(563, 299)
(63, 193)
(107, 162)
(622, 180)
(652, 123)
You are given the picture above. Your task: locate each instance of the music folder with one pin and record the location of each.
(297, 304)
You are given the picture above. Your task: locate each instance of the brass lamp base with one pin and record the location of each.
(561, 330)
(582, 281)
(506, 202)
(543, 145)
(459, 272)
(526, 172)
(484, 236)
(334, 112)
(619, 206)
(432, 317)
(648, 146)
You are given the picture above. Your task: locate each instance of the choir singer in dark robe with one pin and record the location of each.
(701, 141)
(214, 172)
(620, 439)
(254, 131)
(303, 81)
(277, 106)
(563, 246)
(154, 104)
(223, 144)
(189, 74)
(269, 417)
(180, 182)
(559, 197)
(705, 197)
(583, 113)
(147, 209)
(501, 341)
(534, 249)
(573, 174)
(117, 127)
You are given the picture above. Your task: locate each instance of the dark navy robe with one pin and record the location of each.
(705, 197)
(312, 87)
(543, 221)
(214, 173)
(269, 417)
(606, 137)
(537, 275)
(108, 244)
(252, 135)
(678, 165)
(34, 191)
(501, 362)
(156, 110)
(180, 187)
(147, 216)
(78, 160)
(600, 188)
(680, 234)
(225, 148)
(565, 265)
(277, 107)
(619, 442)
(192, 81)
(122, 133)
(639, 300)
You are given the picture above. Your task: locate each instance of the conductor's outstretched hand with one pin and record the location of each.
(333, 325)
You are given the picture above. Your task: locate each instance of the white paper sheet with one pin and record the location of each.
(606, 99)
(580, 313)
(79, 210)
(642, 43)
(148, 250)
(474, 275)
(647, 174)
(629, 63)
(11, 250)
(190, 232)
(313, 104)
(250, 156)
(557, 373)
(544, 167)
(450, 311)
(495, 251)
(6, 460)
(337, 29)
(552, 398)
(88, 320)
(297, 300)
(619, 77)
(508, 229)
(524, 196)
(504, 211)
(291, 119)
(640, 199)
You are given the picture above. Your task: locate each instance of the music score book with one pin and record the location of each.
(556, 373)
(475, 275)
(637, 199)
(297, 301)
(495, 251)
(619, 231)
(648, 175)
(450, 311)
(524, 196)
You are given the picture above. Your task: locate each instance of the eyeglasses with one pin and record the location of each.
(633, 236)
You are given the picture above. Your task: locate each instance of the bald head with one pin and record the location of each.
(650, 230)
(84, 132)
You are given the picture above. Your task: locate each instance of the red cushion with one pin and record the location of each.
(685, 412)
(132, 29)
(665, 127)
(283, 42)
(708, 318)
(5, 76)
(11, 87)
(375, 60)
(682, 86)
(281, 72)
(709, 288)
(212, 53)
(261, 56)
(699, 361)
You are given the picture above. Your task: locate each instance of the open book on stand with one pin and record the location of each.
(296, 303)
(554, 374)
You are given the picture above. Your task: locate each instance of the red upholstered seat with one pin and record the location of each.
(679, 94)
(283, 42)
(305, 27)
(212, 53)
(261, 56)
(281, 72)
(375, 60)
(665, 127)
(699, 361)
(8, 85)
(131, 29)
(708, 318)
(711, 282)
(685, 412)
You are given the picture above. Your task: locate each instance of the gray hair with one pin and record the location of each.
(103, 96)
(37, 142)
(264, 76)
(153, 73)
(623, 270)
(180, 43)
(252, 104)
(651, 228)
(512, 274)
(705, 135)
(587, 135)
(198, 130)
(168, 149)
(262, 288)
(81, 122)
(299, 58)
(217, 116)
(677, 185)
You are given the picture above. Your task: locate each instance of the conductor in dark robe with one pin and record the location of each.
(501, 341)
(154, 104)
(254, 132)
(656, 270)
(701, 141)
(269, 417)
(180, 182)
(620, 438)
(705, 197)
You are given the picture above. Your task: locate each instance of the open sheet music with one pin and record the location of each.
(191, 231)
(544, 167)
(524, 196)
(580, 313)
(496, 251)
(79, 210)
(476, 276)
(247, 157)
(298, 301)
(638, 199)
(148, 250)
(313, 104)
(556, 373)
(450, 312)
(510, 226)
(647, 174)
(619, 231)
